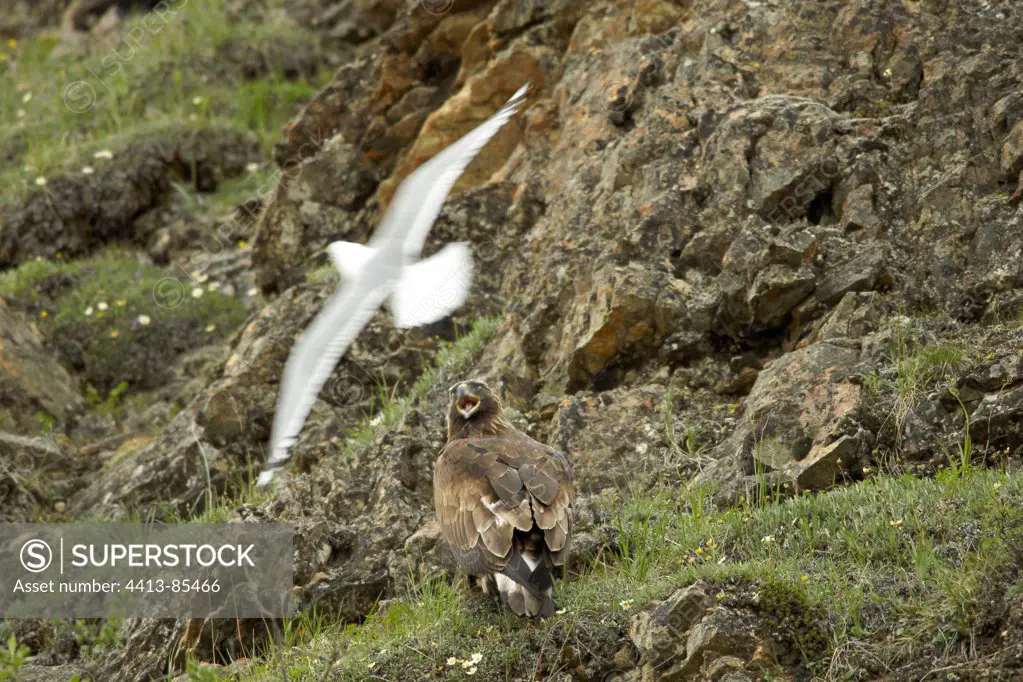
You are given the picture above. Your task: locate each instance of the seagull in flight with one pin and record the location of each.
(387, 267)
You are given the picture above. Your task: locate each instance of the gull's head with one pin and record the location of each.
(473, 404)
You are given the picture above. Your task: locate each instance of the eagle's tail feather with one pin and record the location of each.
(539, 606)
(526, 582)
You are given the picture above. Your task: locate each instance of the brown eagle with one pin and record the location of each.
(504, 501)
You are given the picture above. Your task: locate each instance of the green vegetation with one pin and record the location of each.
(97, 636)
(896, 389)
(12, 659)
(689, 441)
(220, 510)
(198, 66)
(117, 319)
(917, 366)
(94, 636)
(939, 555)
(321, 273)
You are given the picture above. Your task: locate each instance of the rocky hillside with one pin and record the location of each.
(757, 267)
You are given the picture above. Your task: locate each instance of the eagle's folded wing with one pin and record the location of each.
(549, 482)
(487, 488)
(475, 518)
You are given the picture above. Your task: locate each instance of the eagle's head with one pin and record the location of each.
(475, 411)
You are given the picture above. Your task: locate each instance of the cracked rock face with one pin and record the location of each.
(709, 216)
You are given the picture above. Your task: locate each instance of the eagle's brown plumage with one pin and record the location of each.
(504, 501)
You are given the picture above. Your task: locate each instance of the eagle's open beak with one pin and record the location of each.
(466, 401)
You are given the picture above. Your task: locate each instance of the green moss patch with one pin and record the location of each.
(118, 320)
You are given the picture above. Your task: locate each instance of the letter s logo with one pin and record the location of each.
(36, 556)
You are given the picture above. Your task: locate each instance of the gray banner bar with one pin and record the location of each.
(129, 570)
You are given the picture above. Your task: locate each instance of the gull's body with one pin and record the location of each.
(385, 268)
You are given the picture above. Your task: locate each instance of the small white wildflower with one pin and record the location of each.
(213, 286)
(197, 292)
(26, 98)
(144, 320)
(254, 291)
(211, 327)
(477, 657)
(88, 170)
(767, 539)
(200, 277)
(471, 671)
(996, 486)
(102, 305)
(197, 100)
(88, 311)
(103, 154)
(625, 604)
(560, 612)
(252, 167)
(41, 181)
(453, 661)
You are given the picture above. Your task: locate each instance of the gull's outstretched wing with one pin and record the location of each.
(313, 358)
(421, 195)
(433, 288)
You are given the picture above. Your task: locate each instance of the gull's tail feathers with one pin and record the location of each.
(350, 258)
(433, 288)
